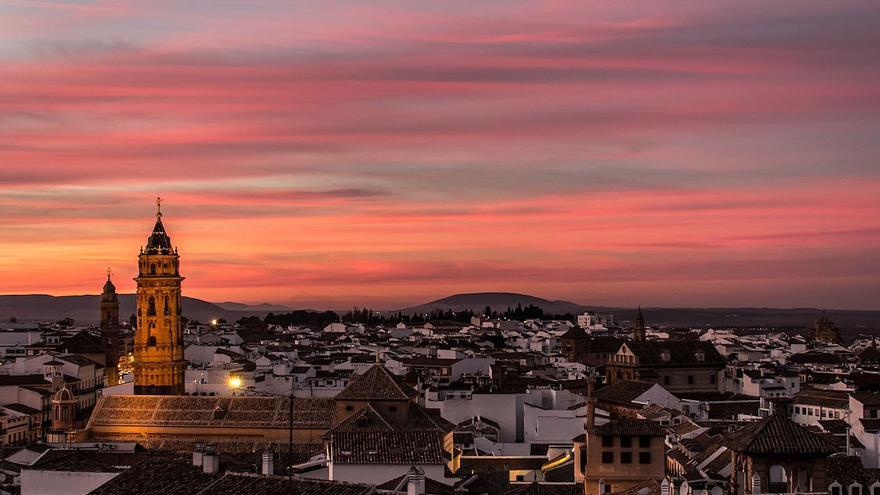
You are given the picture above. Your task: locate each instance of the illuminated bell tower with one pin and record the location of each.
(110, 332)
(159, 365)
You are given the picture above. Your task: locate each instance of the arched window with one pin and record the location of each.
(777, 474)
(151, 341)
(855, 489)
(165, 309)
(152, 269)
(778, 479)
(151, 306)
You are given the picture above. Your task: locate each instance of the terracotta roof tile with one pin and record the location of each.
(778, 435)
(377, 383)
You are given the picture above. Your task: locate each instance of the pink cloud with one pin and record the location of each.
(581, 152)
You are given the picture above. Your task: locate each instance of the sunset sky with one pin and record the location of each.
(389, 153)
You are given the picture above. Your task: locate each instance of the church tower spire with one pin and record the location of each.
(159, 365)
(110, 332)
(639, 333)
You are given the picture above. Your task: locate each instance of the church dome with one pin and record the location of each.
(63, 395)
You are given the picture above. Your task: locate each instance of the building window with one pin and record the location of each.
(644, 458)
(667, 380)
(644, 442)
(151, 306)
(835, 489)
(712, 379)
(626, 442)
(607, 441)
(607, 457)
(855, 489)
(627, 458)
(690, 379)
(349, 408)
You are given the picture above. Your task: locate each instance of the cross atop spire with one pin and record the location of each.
(158, 207)
(109, 272)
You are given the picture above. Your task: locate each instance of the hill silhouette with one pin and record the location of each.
(84, 309)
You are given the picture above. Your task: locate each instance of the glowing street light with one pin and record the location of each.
(234, 382)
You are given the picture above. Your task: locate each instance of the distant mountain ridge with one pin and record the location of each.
(84, 309)
(498, 301)
(263, 307)
(850, 320)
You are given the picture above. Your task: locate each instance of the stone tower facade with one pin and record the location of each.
(825, 331)
(110, 332)
(159, 365)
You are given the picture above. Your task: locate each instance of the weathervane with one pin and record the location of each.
(159, 206)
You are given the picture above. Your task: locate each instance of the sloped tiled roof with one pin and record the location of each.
(778, 435)
(157, 477)
(432, 487)
(165, 477)
(536, 488)
(848, 469)
(604, 344)
(387, 447)
(377, 383)
(628, 426)
(681, 353)
(623, 392)
(575, 333)
(235, 484)
(837, 399)
(193, 411)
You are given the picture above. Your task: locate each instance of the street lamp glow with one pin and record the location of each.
(214, 323)
(235, 382)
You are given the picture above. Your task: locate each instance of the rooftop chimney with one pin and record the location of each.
(415, 481)
(268, 462)
(210, 460)
(591, 402)
(198, 454)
